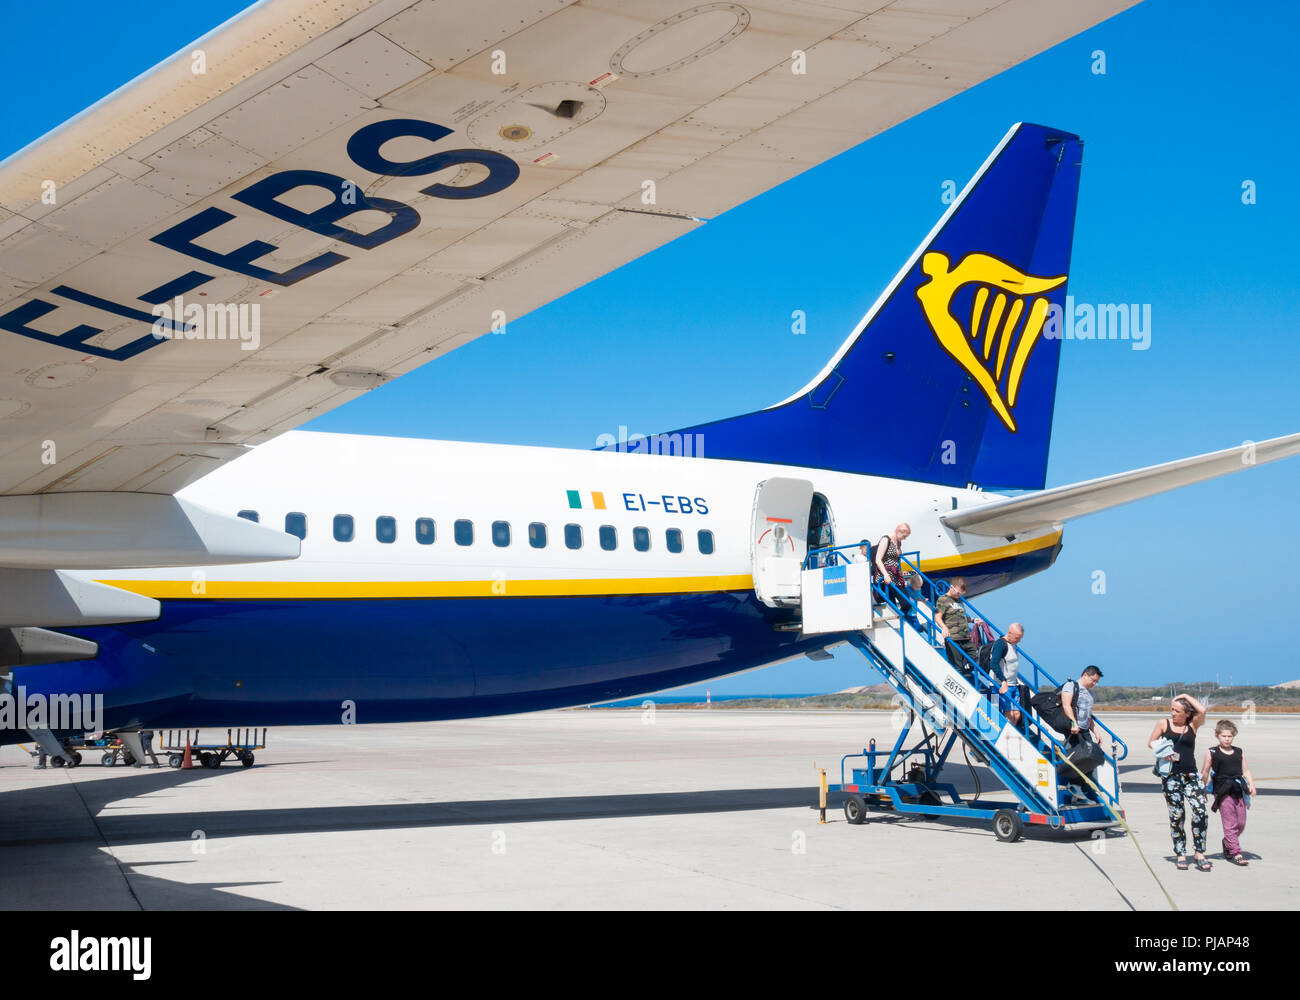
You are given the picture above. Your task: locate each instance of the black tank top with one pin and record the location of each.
(1185, 744)
(1227, 768)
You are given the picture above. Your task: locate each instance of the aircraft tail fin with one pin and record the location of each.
(951, 376)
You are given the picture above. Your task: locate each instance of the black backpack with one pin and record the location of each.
(985, 656)
(1048, 705)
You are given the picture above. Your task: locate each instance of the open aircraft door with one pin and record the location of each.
(778, 539)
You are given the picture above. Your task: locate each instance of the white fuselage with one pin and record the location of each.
(322, 476)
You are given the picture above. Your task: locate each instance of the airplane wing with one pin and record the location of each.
(316, 198)
(1062, 503)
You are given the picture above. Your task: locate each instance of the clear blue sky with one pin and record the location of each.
(1193, 103)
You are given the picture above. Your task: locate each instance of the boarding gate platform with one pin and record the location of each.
(948, 707)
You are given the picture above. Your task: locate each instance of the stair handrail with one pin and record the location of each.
(1039, 672)
(834, 550)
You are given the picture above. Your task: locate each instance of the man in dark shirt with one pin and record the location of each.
(954, 626)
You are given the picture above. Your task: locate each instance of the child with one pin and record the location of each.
(1230, 771)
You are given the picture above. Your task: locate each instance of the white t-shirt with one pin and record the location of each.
(1011, 665)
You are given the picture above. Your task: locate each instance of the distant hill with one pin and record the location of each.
(1221, 700)
(1282, 696)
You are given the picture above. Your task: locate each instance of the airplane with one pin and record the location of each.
(152, 556)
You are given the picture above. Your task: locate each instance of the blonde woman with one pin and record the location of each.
(1182, 786)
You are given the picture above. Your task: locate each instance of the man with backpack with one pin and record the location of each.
(1002, 660)
(1077, 701)
(1068, 710)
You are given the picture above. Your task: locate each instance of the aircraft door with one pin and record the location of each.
(821, 529)
(778, 539)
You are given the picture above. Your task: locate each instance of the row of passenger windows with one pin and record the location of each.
(462, 532)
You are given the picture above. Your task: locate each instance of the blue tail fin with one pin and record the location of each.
(961, 343)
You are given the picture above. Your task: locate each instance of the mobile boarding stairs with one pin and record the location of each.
(836, 595)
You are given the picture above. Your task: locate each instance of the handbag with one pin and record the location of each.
(1086, 755)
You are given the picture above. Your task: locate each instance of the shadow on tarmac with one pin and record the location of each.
(327, 819)
(54, 855)
(30, 815)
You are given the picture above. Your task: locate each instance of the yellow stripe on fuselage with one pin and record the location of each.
(968, 559)
(286, 590)
(289, 590)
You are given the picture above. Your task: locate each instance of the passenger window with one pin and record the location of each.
(295, 523)
(573, 536)
(674, 537)
(641, 539)
(608, 537)
(463, 532)
(343, 528)
(249, 515)
(706, 542)
(386, 529)
(424, 530)
(537, 535)
(501, 534)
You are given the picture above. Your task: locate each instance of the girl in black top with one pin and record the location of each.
(1228, 763)
(1183, 790)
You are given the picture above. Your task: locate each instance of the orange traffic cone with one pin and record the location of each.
(186, 761)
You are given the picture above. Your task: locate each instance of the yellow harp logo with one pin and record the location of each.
(999, 328)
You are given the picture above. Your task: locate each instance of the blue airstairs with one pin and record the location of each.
(948, 707)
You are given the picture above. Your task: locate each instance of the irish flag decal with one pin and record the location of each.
(586, 501)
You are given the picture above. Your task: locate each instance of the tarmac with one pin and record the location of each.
(627, 809)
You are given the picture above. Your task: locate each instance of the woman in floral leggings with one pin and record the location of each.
(1183, 790)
